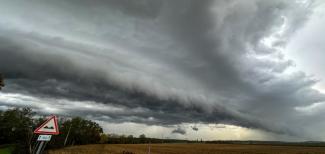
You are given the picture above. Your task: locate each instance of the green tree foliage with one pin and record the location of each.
(103, 138)
(142, 139)
(81, 131)
(16, 127)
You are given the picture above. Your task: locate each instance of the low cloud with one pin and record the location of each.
(179, 130)
(195, 128)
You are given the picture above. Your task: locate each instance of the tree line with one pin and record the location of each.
(17, 125)
(130, 139)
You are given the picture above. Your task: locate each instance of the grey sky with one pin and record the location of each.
(167, 64)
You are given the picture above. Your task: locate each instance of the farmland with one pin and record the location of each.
(188, 149)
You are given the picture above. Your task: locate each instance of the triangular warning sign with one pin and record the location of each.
(50, 126)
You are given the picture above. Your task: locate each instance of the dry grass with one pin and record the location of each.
(188, 149)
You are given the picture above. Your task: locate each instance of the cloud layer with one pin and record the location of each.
(160, 62)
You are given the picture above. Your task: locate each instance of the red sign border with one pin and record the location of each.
(36, 131)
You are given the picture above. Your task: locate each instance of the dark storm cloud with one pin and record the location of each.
(179, 130)
(54, 76)
(195, 128)
(159, 62)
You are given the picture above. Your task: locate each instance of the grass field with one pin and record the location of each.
(8, 149)
(188, 149)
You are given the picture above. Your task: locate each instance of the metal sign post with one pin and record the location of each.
(43, 139)
(40, 148)
(46, 130)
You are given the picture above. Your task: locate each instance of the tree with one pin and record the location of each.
(81, 131)
(103, 138)
(16, 127)
(142, 136)
(130, 139)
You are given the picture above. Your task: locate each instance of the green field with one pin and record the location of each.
(7, 149)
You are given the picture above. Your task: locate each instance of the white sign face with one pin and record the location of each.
(44, 138)
(48, 127)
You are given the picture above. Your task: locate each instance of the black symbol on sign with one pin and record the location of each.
(49, 127)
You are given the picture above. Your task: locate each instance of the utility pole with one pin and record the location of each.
(149, 147)
(66, 138)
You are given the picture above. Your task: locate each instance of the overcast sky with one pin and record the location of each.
(179, 69)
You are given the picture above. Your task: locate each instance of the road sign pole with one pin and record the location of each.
(35, 147)
(40, 147)
(46, 130)
(50, 127)
(42, 140)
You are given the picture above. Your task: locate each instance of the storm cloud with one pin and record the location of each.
(160, 62)
(179, 130)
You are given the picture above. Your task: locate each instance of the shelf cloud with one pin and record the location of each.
(160, 62)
